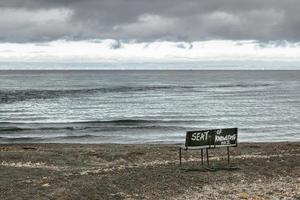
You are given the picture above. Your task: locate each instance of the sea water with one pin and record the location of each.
(131, 106)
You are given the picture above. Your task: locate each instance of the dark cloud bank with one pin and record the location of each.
(146, 20)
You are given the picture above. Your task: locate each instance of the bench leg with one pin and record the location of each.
(207, 159)
(180, 156)
(202, 163)
(228, 157)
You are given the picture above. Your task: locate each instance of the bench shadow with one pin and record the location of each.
(193, 169)
(210, 169)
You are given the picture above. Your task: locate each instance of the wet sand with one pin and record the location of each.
(111, 171)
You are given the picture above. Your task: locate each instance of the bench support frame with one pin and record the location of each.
(207, 157)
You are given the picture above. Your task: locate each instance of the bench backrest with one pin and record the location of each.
(212, 138)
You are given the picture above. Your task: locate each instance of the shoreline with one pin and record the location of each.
(137, 144)
(147, 171)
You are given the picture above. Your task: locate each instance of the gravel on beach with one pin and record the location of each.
(148, 171)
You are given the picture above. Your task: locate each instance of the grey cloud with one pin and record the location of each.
(145, 20)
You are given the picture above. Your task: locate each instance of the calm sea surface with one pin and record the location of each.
(147, 106)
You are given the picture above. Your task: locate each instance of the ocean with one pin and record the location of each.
(131, 106)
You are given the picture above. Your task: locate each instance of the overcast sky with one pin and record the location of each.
(183, 22)
(189, 20)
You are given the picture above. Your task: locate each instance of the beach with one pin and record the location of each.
(148, 171)
(149, 100)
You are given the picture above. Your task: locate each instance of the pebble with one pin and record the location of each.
(46, 185)
(244, 195)
(298, 180)
(28, 181)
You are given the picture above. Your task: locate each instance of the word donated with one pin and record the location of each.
(225, 139)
